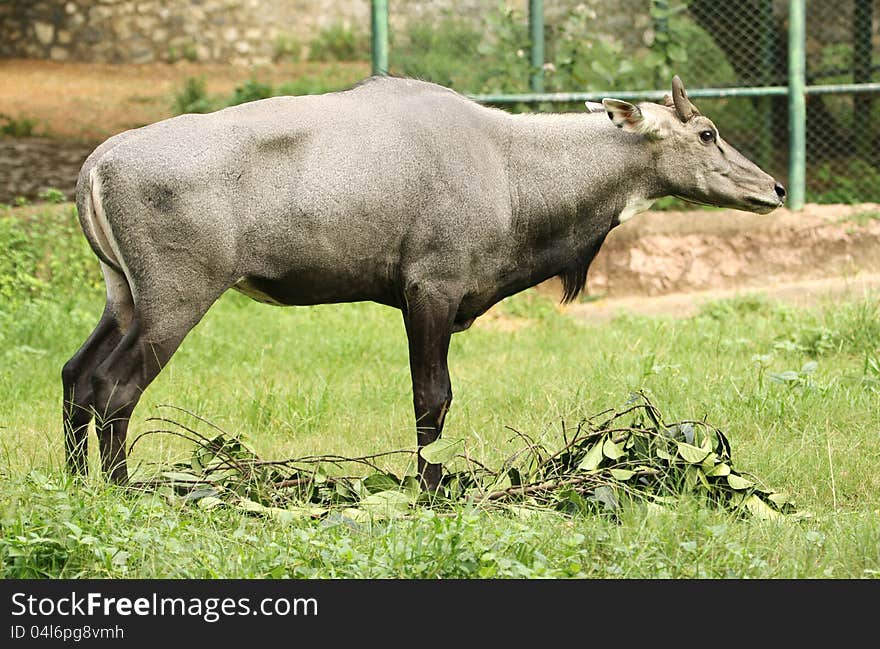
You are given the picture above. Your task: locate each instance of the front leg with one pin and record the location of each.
(428, 318)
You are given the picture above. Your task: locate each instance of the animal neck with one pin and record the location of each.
(576, 170)
(572, 177)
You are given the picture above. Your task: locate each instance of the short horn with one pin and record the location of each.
(683, 105)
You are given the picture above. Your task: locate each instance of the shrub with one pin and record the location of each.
(193, 97)
(44, 254)
(287, 48)
(17, 126)
(251, 90)
(187, 51)
(53, 195)
(850, 180)
(305, 86)
(339, 43)
(440, 53)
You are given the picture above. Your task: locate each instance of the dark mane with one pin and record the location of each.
(574, 276)
(574, 279)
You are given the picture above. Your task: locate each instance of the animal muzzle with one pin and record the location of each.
(767, 200)
(780, 191)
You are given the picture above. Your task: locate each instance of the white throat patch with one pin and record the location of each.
(634, 206)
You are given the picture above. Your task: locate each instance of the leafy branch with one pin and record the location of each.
(614, 458)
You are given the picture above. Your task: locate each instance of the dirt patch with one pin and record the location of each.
(658, 253)
(802, 293)
(91, 101)
(672, 262)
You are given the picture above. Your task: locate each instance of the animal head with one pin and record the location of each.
(692, 160)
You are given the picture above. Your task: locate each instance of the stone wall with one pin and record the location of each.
(141, 31)
(254, 31)
(229, 31)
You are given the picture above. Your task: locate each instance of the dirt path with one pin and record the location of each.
(803, 293)
(673, 262)
(92, 101)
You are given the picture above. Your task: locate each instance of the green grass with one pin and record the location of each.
(17, 126)
(334, 379)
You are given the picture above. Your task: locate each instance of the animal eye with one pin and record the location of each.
(707, 136)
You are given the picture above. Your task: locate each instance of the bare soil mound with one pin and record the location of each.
(670, 262)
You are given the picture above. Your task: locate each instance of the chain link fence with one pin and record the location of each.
(842, 138)
(737, 51)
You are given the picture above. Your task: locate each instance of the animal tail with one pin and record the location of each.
(93, 220)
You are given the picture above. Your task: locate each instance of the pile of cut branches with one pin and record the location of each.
(617, 457)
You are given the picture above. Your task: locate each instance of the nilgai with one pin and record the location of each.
(397, 191)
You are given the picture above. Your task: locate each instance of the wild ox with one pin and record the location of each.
(397, 191)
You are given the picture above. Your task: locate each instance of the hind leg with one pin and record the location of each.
(76, 375)
(120, 380)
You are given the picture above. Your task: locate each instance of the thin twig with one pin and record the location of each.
(192, 414)
(525, 490)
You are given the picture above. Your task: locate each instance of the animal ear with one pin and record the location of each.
(594, 107)
(630, 118)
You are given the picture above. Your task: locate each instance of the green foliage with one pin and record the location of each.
(433, 51)
(849, 181)
(340, 43)
(503, 53)
(455, 53)
(287, 47)
(306, 85)
(834, 64)
(193, 97)
(529, 306)
(618, 456)
(802, 378)
(187, 51)
(586, 60)
(44, 253)
(494, 58)
(56, 529)
(739, 306)
(53, 195)
(17, 126)
(250, 90)
(851, 329)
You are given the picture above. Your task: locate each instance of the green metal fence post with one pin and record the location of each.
(797, 104)
(536, 38)
(379, 31)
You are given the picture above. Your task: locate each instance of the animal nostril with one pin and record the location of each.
(780, 191)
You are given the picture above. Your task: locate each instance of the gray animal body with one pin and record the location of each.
(397, 191)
